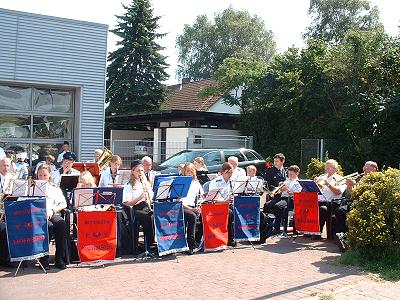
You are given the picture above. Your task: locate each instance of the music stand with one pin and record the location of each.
(176, 187)
(68, 183)
(97, 195)
(308, 185)
(202, 176)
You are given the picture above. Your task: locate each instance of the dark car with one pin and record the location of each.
(213, 159)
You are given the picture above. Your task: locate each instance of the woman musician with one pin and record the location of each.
(109, 176)
(191, 212)
(138, 194)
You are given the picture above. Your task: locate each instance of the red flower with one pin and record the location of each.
(268, 164)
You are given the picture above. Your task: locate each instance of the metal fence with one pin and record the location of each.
(160, 151)
(317, 148)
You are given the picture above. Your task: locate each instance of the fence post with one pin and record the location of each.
(250, 142)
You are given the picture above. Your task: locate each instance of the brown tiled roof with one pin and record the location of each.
(185, 96)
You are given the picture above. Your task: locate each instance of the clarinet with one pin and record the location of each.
(143, 181)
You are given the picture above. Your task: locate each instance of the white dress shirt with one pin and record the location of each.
(327, 194)
(293, 186)
(53, 199)
(195, 189)
(60, 157)
(220, 183)
(238, 172)
(106, 179)
(56, 176)
(5, 183)
(131, 193)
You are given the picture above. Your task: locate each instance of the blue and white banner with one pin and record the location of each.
(247, 218)
(170, 227)
(27, 230)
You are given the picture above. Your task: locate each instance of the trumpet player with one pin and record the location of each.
(275, 177)
(331, 187)
(191, 212)
(137, 194)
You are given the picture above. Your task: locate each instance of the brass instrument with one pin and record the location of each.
(6, 191)
(352, 176)
(104, 159)
(277, 190)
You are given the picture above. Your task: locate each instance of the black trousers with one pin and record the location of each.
(144, 217)
(4, 255)
(276, 206)
(341, 217)
(57, 228)
(190, 223)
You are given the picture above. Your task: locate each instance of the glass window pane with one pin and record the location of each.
(47, 127)
(15, 98)
(13, 126)
(52, 100)
(237, 153)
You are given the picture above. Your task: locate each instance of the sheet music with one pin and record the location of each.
(20, 188)
(123, 177)
(164, 189)
(240, 185)
(214, 194)
(254, 185)
(83, 197)
(40, 188)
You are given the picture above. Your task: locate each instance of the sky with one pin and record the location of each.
(286, 18)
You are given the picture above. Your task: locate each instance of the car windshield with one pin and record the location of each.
(182, 158)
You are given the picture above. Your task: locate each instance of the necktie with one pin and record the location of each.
(147, 176)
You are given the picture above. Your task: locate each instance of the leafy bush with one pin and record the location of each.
(317, 167)
(374, 220)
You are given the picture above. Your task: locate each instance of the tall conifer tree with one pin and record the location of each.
(137, 68)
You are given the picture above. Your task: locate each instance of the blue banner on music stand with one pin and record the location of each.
(27, 230)
(247, 218)
(170, 227)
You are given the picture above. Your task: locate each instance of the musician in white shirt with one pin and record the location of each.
(65, 148)
(138, 194)
(332, 187)
(5, 176)
(66, 168)
(237, 171)
(109, 176)
(191, 213)
(291, 185)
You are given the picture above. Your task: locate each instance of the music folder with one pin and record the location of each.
(68, 182)
(308, 185)
(178, 188)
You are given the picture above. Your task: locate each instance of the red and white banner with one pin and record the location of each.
(215, 226)
(306, 212)
(97, 235)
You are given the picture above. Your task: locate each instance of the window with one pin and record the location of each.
(197, 139)
(212, 158)
(40, 118)
(251, 155)
(237, 153)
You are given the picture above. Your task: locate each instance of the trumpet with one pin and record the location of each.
(277, 190)
(352, 176)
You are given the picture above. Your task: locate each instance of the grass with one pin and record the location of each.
(385, 263)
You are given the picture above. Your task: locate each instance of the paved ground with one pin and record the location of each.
(280, 269)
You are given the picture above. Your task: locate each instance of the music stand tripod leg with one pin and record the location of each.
(40, 264)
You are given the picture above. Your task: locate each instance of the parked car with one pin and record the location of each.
(213, 159)
(144, 147)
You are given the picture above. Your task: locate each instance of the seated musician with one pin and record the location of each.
(138, 194)
(66, 167)
(190, 210)
(224, 183)
(109, 175)
(237, 171)
(291, 185)
(5, 189)
(342, 211)
(275, 177)
(257, 183)
(199, 164)
(55, 203)
(332, 189)
(86, 180)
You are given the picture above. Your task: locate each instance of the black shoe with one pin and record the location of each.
(316, 237)
(190, 252)
(276, 232)
(60, 264)
(232, 244)
(339, 241)
(45, 262)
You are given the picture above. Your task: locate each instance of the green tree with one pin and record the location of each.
(204, 45)
(137, 68)
(331, 19)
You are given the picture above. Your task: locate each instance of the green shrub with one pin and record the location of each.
(317, 167)
(374, 220)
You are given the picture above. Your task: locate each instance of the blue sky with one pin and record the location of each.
(286, 18)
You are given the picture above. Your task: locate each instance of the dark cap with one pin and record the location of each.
(69, 156)
(135, 163)
(66, 143)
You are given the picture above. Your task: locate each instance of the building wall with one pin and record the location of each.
(176, 140)
(56, 52)
(215, 138)
(221, 107)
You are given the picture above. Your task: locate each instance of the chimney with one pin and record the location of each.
(185, 80)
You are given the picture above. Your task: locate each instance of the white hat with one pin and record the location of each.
(22, 155)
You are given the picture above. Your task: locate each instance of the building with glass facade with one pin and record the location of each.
(52, 84)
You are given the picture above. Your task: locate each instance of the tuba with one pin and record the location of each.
(104, 159)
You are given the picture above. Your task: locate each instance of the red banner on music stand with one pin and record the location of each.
(215, 226)
(97, 235)
(93, 168)
(306, 212)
